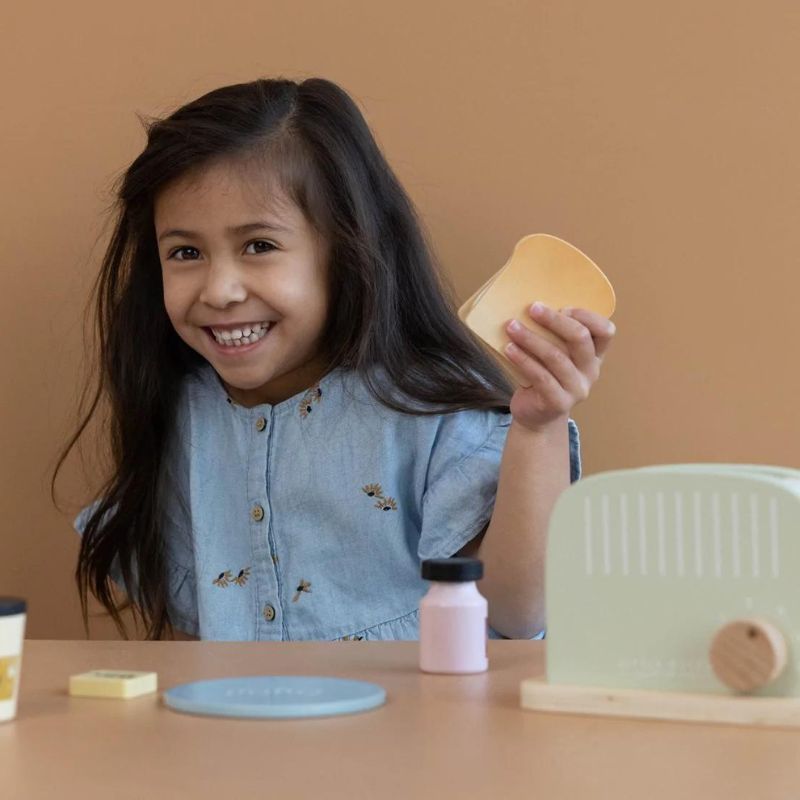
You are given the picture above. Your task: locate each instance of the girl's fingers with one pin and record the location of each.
(601, 328)
(560, 365)
(550, 391)
(576, 336)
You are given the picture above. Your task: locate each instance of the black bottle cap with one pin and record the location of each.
(11, 605)
(452, 570)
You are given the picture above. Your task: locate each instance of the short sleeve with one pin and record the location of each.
(462, 480)
(181, 602)
(81, 521)
(493, 634)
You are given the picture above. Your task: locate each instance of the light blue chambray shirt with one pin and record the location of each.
(308, 519)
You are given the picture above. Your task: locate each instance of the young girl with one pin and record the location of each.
(297, 416)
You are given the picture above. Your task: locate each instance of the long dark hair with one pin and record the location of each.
(390, 306)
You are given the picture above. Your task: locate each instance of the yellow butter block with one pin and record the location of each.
(542, 267)
(113, 683)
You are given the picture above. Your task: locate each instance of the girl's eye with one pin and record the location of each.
(269, 246)
(180, 250)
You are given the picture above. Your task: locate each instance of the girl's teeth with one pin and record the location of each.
(237, 337)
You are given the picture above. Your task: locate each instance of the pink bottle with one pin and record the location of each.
(453, 617)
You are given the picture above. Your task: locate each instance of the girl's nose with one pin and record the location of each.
(223, 285)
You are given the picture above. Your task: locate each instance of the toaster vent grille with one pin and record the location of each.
(684, 535)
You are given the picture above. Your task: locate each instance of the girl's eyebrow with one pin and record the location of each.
(237, 229)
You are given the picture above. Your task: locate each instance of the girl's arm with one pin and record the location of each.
(535, 468)
(533, 472)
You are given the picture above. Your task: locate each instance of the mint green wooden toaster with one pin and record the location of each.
(682, 578)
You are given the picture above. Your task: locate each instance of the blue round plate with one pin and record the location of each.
(275, 697)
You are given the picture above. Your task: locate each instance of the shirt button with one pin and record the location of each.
(257, 513)
(261, 423)
(269, 613)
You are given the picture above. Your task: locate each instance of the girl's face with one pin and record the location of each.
(244, 282)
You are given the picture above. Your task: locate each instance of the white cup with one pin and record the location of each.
(12, 633)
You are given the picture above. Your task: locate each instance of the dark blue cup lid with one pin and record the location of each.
(12, 605)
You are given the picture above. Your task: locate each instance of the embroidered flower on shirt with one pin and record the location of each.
(313, 395)
(383, 503)
(303, 586)
(223, 579)
(241, 578)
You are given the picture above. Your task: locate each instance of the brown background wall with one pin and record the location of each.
(661, 138)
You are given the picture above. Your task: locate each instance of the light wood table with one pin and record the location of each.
(437, 737)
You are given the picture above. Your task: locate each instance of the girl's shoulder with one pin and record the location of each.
(346, 396)
(459, 432)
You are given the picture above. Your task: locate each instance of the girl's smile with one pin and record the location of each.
(237, 340)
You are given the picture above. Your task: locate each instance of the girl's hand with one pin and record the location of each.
(559, 378)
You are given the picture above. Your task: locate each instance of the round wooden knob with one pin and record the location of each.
(747, 654)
